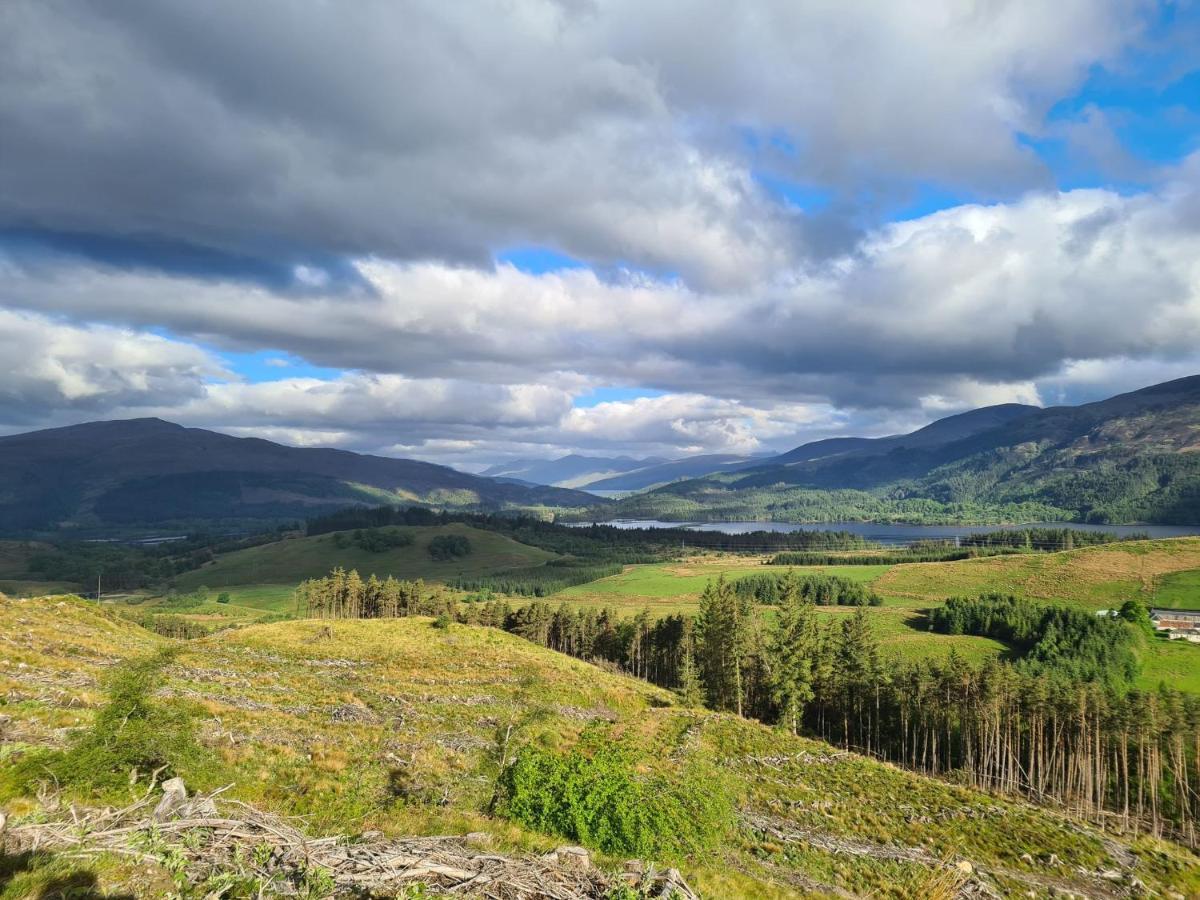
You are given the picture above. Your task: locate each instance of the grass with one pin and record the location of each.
(1175, 663)
(291, 561)
(398, 726)
(1094, 577)
(676, 586)
(1178, 590)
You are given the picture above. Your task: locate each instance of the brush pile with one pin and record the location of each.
(223, 846)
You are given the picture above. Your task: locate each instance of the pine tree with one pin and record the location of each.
(791, 654)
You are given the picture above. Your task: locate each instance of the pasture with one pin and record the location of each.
(289, 562)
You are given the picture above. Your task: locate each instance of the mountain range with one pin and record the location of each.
(147, 471)
(620, 473)
(1131, 458)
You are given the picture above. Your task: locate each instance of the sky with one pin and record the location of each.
(471, 232)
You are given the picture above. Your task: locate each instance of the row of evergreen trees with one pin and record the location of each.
(1069, 732)
(822, 590)
(346, 595)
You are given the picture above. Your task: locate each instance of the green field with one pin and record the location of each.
(291, 561)
(676, 586)
(1179, 590)
(1095, 577)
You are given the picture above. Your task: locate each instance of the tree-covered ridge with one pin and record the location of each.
(1128, 459)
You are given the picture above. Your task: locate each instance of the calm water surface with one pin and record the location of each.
(901, 534)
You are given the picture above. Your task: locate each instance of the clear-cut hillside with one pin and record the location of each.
(399, 727)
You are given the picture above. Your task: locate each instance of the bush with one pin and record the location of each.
(446, 547)
(129, 732)
(223, 597)
(442, 622)
(379, 540)
(599, 800)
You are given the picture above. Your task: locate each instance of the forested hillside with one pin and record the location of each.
(1132, 458)
(146, 471)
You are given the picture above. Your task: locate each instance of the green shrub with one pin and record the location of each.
(600, 800)
(131, 731)
(445, 547)
(223, 597)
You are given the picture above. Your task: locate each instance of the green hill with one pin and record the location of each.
(1131, 458)
(290, 561)
(399, 727)
(142, 473)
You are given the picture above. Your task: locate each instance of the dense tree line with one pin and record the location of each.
(1075, 642)
(594, 541)
(820, 589)
(1045, 539)
(926, 554)
(346, 595)
(446, 547)
(373, 540)
(538, 581)
(128, 566)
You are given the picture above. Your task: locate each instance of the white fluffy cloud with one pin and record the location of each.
(969, 306)
(52, 371)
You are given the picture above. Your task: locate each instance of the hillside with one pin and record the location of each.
(291, 561)
(1131, 458)
(620, 473)
(398, 727)
(672, 470)
(144, 472)
(571, 471)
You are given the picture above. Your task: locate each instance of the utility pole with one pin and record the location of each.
(97, 588)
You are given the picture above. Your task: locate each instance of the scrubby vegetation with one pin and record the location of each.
(132, 735)
(396, 726)
(595, 795)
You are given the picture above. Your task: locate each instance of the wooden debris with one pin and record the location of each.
(218, 836)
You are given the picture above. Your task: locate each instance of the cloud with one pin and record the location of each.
(333, 183)
(618, 133)
(53, 372)
(968, 304)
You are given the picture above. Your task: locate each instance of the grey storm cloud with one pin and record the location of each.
(445, 130)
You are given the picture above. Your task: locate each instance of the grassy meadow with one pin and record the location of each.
(291, 561)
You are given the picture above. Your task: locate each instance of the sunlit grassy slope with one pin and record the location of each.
(1095, 577)
(291, 561)
(396, 725)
